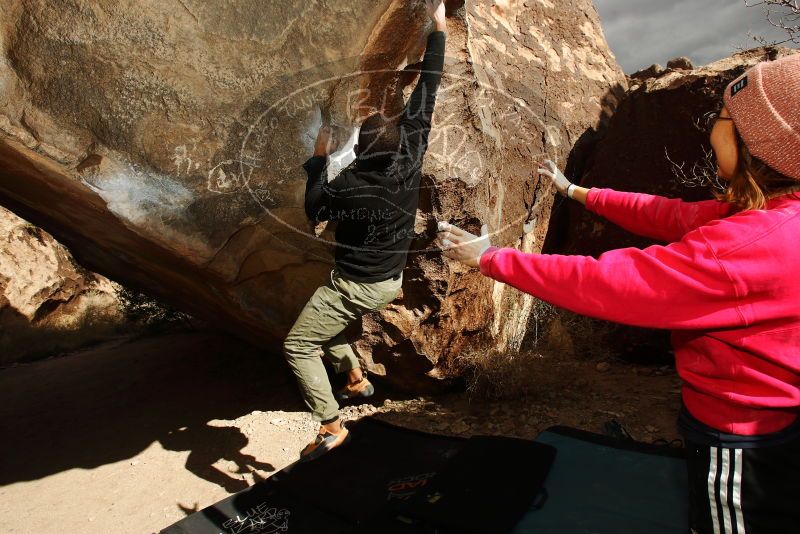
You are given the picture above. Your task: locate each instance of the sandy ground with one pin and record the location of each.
(132, 435)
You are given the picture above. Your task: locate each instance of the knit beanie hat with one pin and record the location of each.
(764, 103)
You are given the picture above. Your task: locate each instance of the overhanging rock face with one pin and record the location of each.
(162, 142)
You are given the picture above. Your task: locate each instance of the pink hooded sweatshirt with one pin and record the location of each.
(726, 285)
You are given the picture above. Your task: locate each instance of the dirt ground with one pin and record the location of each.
(132, 435)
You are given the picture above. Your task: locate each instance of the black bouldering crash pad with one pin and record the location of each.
(398, 481)
(382, 481)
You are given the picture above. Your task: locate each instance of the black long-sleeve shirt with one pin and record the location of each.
(375, 200)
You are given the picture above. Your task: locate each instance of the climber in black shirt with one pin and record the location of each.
(374, 201)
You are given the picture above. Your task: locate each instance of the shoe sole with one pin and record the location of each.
(366, 392)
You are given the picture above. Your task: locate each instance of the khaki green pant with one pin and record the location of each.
(319, 330)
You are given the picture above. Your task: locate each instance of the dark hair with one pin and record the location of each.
(379, 136)
(754, 182)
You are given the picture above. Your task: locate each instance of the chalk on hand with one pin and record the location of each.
(443, 225)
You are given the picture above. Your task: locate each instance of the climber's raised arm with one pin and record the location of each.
(318, 198)
(415, 124)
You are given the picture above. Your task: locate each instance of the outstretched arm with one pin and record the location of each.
(415, 124)
(660, 218)
(679, 286)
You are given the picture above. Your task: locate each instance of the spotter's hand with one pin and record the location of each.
(556, 177)
(462, 246)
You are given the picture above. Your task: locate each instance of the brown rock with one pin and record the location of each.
(652, 71)
(48, 302)
(459, 427)
(680, 63)
(162, 143)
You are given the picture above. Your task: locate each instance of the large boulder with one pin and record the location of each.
(48, 302)
(656, 143)
(162, 142)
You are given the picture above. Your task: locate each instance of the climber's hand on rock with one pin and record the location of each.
(561, 183)
(436, 12)
(326, 142)
(462, 246)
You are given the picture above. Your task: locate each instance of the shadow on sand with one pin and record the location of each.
(112, 401)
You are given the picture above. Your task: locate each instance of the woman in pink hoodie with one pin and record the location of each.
(726, 285)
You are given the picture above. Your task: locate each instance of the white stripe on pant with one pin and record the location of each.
(723, 489)
(737, 490)
(719, 469)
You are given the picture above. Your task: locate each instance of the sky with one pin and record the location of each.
(643, 32)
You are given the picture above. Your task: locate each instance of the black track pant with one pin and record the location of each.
(744, 491)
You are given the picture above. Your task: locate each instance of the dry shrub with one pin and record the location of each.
(21, 341)
(498, 375)
(553, 334)
(139, 314)
(151, 314)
